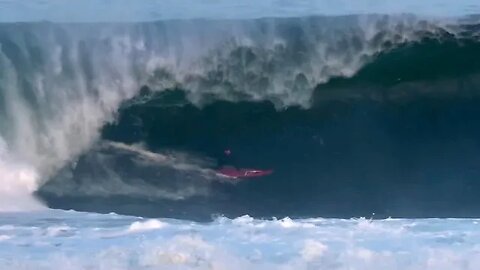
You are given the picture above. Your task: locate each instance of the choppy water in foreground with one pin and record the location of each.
(72, 240)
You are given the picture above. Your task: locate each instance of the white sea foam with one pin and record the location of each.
(151, 224)
(17, 182)
(100, 242)
(58, 231)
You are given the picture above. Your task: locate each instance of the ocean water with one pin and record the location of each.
(114, 117)
(75, 240)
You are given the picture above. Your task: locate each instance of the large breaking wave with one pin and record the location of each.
(186, 89)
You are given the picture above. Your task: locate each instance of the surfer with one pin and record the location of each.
(226, 159)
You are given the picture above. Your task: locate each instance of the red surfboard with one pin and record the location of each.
(243, 173)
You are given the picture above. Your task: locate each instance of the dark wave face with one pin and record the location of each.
(399, 138)
(355, 114)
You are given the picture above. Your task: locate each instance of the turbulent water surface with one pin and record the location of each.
(92, 241)
(359, 114)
